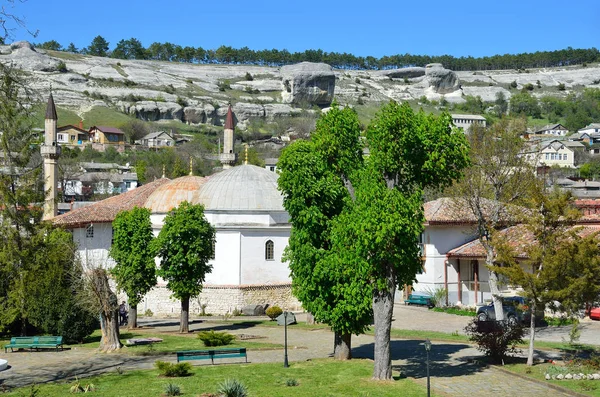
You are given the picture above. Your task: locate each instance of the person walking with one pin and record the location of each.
(122, 314)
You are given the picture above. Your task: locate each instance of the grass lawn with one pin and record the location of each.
(588, 387)
(315, 378)
(172, 342)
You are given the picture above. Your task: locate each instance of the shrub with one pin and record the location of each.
(77, 323)
(496, 339)
(233, 388)
(223, 85)
(212, 338)
(360, 101)
(561, 86)
(172, 389)
(182, 102)
(61, 67)
(273, 312)
(438, 296)
(170, 89)
(171, 370)
(148, 313)
(513, 84)
(77, 387)
(248, 77)
(357, 80)
(528, 87)
(291, 382)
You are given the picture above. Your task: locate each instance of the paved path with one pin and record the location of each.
(454, 367)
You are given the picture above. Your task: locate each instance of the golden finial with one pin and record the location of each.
(164, 171)
(191, 165)
(246, 152)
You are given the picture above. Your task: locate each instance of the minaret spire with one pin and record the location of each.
(228, 157)
(50, 152)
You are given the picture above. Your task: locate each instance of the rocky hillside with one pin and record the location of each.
(198, 94)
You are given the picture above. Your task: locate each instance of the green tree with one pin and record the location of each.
(312, 175)
(498, 179)
(140, 169)
(179, 168)
(500, 104)
(51, 45)
(134, 270)
(129, 49)
(71, 48)
(135, 130)
(98, 47)
(524, 103)
(548, 221)
(185, 245)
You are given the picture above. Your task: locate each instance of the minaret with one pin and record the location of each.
(50, 152)
(228, 157)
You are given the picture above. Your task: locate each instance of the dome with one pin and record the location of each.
(171, 194)
(242, 188)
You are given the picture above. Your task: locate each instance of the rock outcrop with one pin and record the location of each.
(408, 73)
(308, 83)
(24, 56)
(441, 80)
(153, 111)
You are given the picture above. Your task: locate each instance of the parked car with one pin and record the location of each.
(516, 310)
(595, 313)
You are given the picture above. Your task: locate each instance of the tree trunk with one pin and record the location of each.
(109, 323)
(493, 283)
(184, 324)
(342, 346)
(132, 320)
(383, 308)
(531, 335)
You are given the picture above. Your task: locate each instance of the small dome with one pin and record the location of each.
(170, 195)
(242, 188)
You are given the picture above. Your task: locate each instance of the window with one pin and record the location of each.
(89, 231)
(214, 249)
(269, 250)
(72, 137)
(564, 156)
(547, 156)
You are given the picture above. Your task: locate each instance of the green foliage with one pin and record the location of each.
(50, 45)
(528, 87)
(129, 49)
(98, 47)
(525, 103)
(134, 270)
(140, 169)
(61, 67)
(496, 339)
(172, 389)
(291, 382)
(438, 296)
(134, 130)
(78, 387)
(248, 77)
(458, 311)
(185, 246)
(561, 86)
(212, 338)
(513, 84)
(233, 388)
(273, 312)
(171, 370)
(223, 85)
(474, 105)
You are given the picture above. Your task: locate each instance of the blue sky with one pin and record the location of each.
(377, 28)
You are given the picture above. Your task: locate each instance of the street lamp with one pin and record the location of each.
(428, 349)
(285, 357)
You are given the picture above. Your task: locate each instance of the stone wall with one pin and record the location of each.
(220, 299)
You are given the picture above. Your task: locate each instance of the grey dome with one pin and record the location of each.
(242, 188)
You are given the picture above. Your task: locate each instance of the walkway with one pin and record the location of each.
(454, 368)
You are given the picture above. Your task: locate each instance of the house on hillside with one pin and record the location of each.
(554, 152)
(465, 121)
(591, 129)
(551, 130)
(106, 135)
(72, 135)
(157, 139)
(83, 181)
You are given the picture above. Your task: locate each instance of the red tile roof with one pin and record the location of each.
(106, 210)
(519, 238)
(110, 130)
(448, 210)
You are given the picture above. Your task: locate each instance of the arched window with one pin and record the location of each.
(269, 250)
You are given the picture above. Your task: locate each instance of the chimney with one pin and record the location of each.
(81, 124)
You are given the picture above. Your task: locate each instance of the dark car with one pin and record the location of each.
(516, 310)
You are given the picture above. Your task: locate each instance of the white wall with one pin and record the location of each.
(93, 251)
(255, 268)
(226, 265)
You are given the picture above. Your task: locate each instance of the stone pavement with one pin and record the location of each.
(454, 367)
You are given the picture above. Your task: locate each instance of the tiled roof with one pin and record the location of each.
(106, 210)
(519, 238)
(229, 124)
(447, 210)
(110, 130)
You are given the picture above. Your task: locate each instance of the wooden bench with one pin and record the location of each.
(211, 354)
(415, 299)
(34, 342)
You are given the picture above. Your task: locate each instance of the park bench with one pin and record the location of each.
(211, 354)
(416, 299)
(34, 342)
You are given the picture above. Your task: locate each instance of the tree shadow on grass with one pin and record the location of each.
(410, 359)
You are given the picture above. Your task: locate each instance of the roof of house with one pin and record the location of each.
(71, 127)
(590, 126)
(519, 238)
(154, 135)
(106, 210)
(94, 177)
(447, 210)
(467, 116)
(551, 127)
(109, 130)
(51, 109)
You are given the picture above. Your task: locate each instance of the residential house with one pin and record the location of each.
(465, 121)
(591, 128)
(551, 130)
(106, 135)
(72, 135)
(271, 164)
(554, 152)
(157, 139)
(88, 179)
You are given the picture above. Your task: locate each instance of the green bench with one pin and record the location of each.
(34, 342)
(211, 354)
(417, 299)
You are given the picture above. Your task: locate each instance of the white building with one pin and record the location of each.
(552, 130)
(465, 121)
(590, 129)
